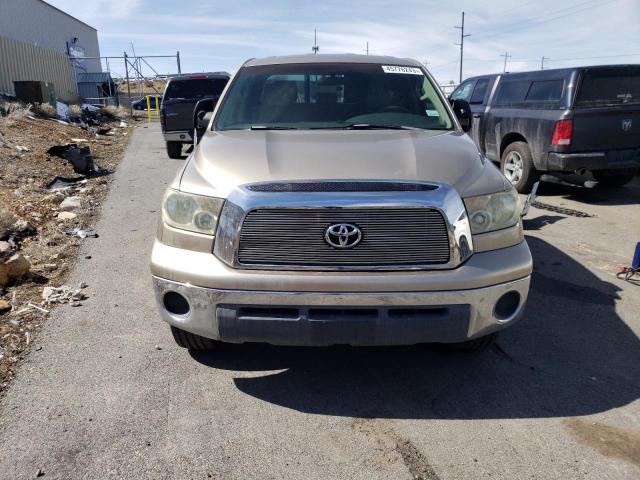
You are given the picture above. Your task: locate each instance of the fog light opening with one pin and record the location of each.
(176, 303)
(507, 306)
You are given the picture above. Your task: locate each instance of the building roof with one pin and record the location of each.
(333, 58)
(65, 13)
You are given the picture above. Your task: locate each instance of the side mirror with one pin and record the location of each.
(203, 119)
(462, 111)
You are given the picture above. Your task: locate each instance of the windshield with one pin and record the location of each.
(323, 95)
(194, 88)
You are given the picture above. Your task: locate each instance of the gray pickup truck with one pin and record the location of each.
(570, 120)
(181, 95)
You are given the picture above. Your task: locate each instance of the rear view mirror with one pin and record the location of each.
(462, 111)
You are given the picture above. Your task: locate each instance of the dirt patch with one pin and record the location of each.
(25, 168)
(391, 447)
(607, 440)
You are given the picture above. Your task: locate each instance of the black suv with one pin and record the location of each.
(181, 95)
(561, 120)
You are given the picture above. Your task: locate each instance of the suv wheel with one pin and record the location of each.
(174, 150)
(517, 166)
(615, 178)
(475, 345)
(192, 341)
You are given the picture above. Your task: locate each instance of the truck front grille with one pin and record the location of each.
(391, 237)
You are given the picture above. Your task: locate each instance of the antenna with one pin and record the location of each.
(315, 47)
(462, 35)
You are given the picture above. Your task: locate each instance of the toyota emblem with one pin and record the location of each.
(343, 235)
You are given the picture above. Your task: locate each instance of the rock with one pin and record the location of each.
(54, 198)
(7, 219)
(16, 267)
(5, 249)
(4, 306)
(66, 216)
(71, 203)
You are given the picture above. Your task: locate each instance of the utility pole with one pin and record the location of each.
(506, 56)
(367, 48)
(462, 35)
(542, 63)
(315, 47)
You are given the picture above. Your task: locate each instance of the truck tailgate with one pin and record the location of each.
(606, 128)
(178, 114)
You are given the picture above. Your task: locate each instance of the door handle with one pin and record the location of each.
(476, 115)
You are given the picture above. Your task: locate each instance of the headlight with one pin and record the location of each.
(191, 212)
(493, 212)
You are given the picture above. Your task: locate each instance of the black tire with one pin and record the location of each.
(174, 150)
(192, 341)
(476, 345)
(615, 178)
(517, 165)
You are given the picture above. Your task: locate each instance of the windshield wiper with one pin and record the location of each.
(265, 127)
(369, 126)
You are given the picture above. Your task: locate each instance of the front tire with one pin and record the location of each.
(174, 150)
(615, 178)
(192, 341)
(517, 165)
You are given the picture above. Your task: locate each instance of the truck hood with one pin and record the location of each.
(224, 160)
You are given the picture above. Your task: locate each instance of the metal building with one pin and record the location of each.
(42, 43)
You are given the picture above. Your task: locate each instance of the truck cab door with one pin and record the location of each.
(478, 103)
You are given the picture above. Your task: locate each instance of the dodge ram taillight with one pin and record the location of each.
(562, 133)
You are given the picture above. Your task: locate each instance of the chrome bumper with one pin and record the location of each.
(325, 318)
(186, 137)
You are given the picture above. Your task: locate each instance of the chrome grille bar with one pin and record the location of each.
(392, 237)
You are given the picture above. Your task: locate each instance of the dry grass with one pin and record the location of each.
(117, 112)
(75, 110)
(12, 111)
(44, 110)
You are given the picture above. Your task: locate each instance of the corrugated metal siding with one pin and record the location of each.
(21, 61)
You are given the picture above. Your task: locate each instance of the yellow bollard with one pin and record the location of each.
(148, 109)
(158, 107)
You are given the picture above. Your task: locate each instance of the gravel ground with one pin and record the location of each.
(108, 394)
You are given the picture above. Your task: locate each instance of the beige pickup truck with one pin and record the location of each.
(336, 199)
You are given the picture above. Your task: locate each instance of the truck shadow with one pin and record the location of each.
(570, 355)
(598, 195)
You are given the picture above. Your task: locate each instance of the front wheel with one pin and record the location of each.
(517, 166)
(615, 178)
(192, 341)
(174, 150)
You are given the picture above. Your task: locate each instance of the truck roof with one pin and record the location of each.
(332, 58)
(551, 71)
(187, 76)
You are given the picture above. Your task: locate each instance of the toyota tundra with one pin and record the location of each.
(336, 199)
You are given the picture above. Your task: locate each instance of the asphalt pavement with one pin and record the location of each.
(105, 393)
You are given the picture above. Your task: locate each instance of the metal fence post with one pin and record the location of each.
(126, 67)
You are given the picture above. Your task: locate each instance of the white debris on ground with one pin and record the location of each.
(64, 294)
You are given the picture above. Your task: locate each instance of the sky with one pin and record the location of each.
(216, 35)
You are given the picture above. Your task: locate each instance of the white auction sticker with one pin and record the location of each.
(398, 69)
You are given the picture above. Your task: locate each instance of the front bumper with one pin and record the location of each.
(613, 159)
(185, 136)
(356, 308)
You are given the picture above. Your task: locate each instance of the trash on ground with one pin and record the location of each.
(77, 232)
(59, 183)
(80, 158)
(71, 203)
(123, 124)
(62, 294)
(62, 110)
(21, 148)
